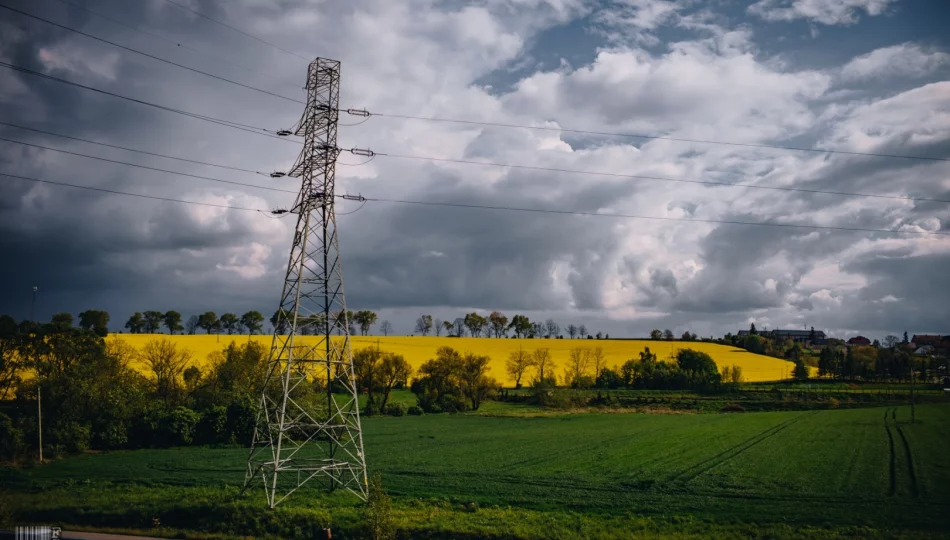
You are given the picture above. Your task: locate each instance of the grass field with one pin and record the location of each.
(755, 368)
(845, 473)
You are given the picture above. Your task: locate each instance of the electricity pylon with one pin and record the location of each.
(308, 423)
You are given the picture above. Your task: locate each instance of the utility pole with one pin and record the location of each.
(319, 437)
(39, 416)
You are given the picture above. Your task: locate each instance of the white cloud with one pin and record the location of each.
(828, 12)
(904, 60)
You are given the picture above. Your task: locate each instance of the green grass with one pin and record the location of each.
(849, 473)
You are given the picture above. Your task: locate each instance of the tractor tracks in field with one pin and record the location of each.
(913, 484)
(687, 475)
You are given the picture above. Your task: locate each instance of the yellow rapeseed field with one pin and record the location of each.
(416, 350)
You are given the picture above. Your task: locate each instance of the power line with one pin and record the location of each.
(146, 167)
(133, 149)
(238, 30)
(147, 55)
(656, 218)
(656, 137)
(157, 36)
(659, 178)
(116, 192)
(227, 123)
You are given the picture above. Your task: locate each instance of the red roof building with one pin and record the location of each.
(859, 340)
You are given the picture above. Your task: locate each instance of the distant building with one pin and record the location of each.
(859, 340)
(937, 342)
(798, 336)
(924, 351)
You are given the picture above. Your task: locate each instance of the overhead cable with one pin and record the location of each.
(166, 171)
(152, 56)
(656, 137)
(238, 30)
(227, 123)
(116, 192)
(655, 218)
(658, 178)
(157, 36)
(165, 156)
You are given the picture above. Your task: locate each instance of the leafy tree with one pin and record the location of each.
(582, 330)
(475, 323)
(437, 386)
(458, 327)
(366, 319)
(393, 371)
(424, 325)
(172, 321)
(800, 371)
(687, 336)
(475, 384)
(62, 319)
(153, 321)
(520, 325)
(656, 334)
(752, 330)
(280, 320)
(571, 331)
(365, 365)
(890, 341)
(518, 363)
(136, 323)
(608, 378)
(95, 320)
(253, 321)
(230, 322)
(668, 334)
(385, 328)
(906, 341)
(208, 321)
(191, 325)
(698, 367)
(812, 335)
(448, 326)
(379, 510)
(499, 324)
(11, 362)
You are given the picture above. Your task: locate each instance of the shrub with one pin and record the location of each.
(732, 407)
(379, 513)
(415, 410)
(11, 438)
(177, 427)
(241, 420)
(213, 426)
(833, 403)
(395, 409)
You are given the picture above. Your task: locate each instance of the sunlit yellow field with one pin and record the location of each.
(755, 368)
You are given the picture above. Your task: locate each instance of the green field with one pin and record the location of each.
(854, 473)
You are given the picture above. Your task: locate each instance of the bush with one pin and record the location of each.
(68, 438)
(11, 438)
(213, 426)
(395, 409)
(379, 514)
(177, 427)
(732, 407)
(242, 416)
(415, 410)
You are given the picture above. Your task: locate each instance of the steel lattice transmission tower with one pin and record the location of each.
(308, 423)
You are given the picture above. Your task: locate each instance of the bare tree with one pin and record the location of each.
(571, 330)
(541, 359)
(458, 327)
(890, 341)
(437, 325)
(518, 363)
(578, 365)
(552, 328)
(598, 360)
(537, 329)
(385, 328)
(167, 364)
(582, 330)
(668, 334)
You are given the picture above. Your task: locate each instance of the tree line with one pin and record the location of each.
(497, 325)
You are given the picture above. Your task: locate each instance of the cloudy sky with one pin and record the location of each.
(867, 76)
